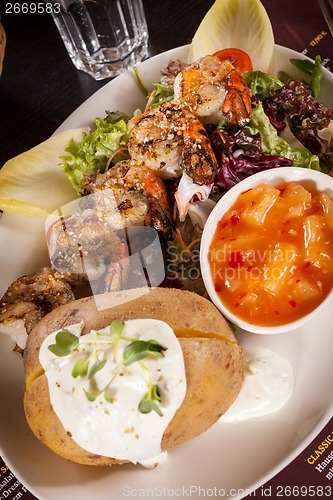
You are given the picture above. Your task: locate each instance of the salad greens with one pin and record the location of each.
(163, 93)
(90, 156)
(275, 104)
(261, 84)
(310, 68)
(293, 102)
(273, 144)
(306, 118)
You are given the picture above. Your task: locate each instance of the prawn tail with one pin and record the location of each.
(116, 275)
(159, 209)
(158, 218)
(237, 103)
(198, 157)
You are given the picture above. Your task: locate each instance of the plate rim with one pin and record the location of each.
(326, 416)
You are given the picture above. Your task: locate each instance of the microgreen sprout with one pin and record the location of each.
(148, 403)
(141, 349)
(88, 366)
(116, 329)
(66, 343)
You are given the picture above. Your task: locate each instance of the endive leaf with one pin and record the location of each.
(242, 24)
(33, 184)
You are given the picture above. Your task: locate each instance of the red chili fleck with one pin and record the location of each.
(234, 219)
(236, 258)
(307, 265)
(237, 304)
(242, 295)
(232, 239)
(250, 189)
(222, 224)
(292, 303)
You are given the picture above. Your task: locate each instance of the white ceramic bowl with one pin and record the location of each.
(310, 179)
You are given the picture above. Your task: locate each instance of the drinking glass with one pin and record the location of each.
(102, 37)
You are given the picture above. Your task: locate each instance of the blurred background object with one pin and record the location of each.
(2, 45)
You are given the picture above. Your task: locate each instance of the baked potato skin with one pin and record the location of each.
(49, 430)
(213, 364)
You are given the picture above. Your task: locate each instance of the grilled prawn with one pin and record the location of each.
(85, 248)
(214, 90)
(30, 298)
(139, 197)
(90, 244)
(170, 140)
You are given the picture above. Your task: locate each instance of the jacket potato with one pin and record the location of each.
(212, 357)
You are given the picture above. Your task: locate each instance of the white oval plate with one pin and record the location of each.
(230, 459)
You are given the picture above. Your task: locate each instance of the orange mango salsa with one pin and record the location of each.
(271, 257)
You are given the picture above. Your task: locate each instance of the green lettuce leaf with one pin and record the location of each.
(261, 84)
(164, 93)
(91, 155)
(273, 144)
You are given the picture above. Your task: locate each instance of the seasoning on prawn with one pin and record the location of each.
(28, 299)
(140, 197)
(85, 248)
(173, 143)
(213, 90)
(170, 139)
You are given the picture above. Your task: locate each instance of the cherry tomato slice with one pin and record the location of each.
(240, 59)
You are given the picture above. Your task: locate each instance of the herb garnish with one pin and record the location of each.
(67, 343)
(148, 403)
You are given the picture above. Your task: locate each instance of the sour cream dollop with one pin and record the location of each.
(113, 426)
(267, 386)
